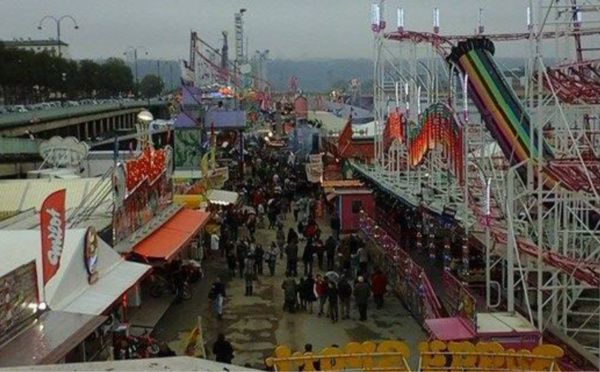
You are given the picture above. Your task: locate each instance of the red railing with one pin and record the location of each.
(458, 300)
(408, 279)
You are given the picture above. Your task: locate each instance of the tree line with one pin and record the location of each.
(28, 77)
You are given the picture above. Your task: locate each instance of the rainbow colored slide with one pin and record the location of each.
(500, 108)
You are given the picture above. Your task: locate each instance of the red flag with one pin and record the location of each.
(52, 228)
(345, 137)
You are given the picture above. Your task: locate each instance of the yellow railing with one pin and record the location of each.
(435, 356)
(485, 355)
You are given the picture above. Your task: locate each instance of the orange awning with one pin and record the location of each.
(174, 234)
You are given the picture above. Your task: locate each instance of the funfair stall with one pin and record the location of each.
(91, 280)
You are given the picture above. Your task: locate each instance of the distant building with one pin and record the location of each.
(51, 46)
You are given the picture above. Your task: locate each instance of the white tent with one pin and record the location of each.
(181, 363)
(69, 290)
(222, 197)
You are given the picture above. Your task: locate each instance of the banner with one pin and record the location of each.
(315, 158)
(314, 172)
(52, 228)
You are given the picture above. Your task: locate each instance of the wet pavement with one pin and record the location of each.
(256, 324)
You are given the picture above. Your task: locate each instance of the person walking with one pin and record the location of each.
(231, 262)
(214, 244)
(345, 294)
(362, 292)
(319, 249)
(307, 257)
(223, 350)
(330, 246)
(310, 297)
(291, 252)
(261, 216)
(321, 293)
(249, 279)
(302, 293)
(280, 239)
(292, 235)
(363, 260)
(258, 259)
(178, 280)
(271, 258)
(217, 295)
(379, 286)
(332, 299)
(240, 254)
(335, 224)
(251, 223)
(290, 289)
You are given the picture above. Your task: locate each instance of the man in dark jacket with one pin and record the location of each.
(291, 251)
(223, 350)
(362, 292)
(335, 224)
(307, 257)
(332, 298)
(345, 294)
(330, 245)
(290, 290)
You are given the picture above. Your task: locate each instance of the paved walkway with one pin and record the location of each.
(255, 325)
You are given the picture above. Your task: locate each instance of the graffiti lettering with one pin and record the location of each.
(434, 356)
(55, 235)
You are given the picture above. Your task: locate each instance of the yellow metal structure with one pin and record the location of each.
(434, 355)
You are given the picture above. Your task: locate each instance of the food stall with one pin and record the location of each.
(348, 198)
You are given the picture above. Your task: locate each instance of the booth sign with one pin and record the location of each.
(90, 254)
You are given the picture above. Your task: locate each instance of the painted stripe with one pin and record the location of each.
(497, 123)
(512, 121)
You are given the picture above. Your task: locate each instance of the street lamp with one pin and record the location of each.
(58, 21)
(135, 59)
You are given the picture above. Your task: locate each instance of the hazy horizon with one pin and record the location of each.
(310, 29)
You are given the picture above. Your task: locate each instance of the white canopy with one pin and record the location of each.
(181, 363)
(69, 289)
(222, 197)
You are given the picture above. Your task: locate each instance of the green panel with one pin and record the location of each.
(187, 150)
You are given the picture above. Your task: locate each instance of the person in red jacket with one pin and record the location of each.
(378, 287)
(320, 289)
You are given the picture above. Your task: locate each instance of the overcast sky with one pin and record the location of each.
(294, 29)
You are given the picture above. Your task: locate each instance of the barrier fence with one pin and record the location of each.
(392, 355)
(409, 281)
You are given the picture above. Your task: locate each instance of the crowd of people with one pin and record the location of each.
(335, 271)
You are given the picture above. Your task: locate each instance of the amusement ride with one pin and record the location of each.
(506, 165)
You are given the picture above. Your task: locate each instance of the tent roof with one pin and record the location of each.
(222, 197)
(20, 195)
(69, 289)
(151, 364)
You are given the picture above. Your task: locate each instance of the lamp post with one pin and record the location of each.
(135, 61)
(58, 21)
